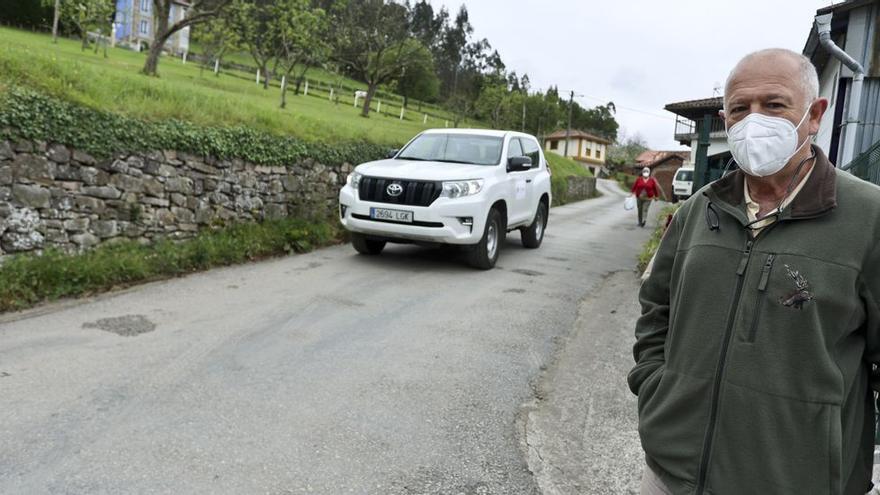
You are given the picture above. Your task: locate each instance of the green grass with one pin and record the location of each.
(29, 279)
(650, 247)
(565, 167)
(183, 92)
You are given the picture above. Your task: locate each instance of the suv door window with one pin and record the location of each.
(514, 149)
(532, 150)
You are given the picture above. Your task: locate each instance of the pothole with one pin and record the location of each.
(126, 326)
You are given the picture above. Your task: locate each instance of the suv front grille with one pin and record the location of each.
(415, 192)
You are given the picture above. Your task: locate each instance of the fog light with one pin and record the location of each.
(466, 221)
(342, 210)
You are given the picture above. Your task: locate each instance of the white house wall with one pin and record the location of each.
(828, 89)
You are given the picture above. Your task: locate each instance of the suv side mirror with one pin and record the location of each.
(392, 153)
(519, 164)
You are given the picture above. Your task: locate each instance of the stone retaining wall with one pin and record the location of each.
(55, 196)
(580, 188)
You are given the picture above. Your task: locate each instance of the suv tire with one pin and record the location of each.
(366, 246)
(533, 235)
(485, 253)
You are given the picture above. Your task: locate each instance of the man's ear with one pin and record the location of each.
(817, 110)
(722, 115)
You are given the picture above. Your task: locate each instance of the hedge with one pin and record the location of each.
(26, 114)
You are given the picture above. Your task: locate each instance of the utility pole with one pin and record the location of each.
(524, 95)
(55, 21)
(568, 130)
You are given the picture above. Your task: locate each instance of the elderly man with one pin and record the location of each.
(761, 319)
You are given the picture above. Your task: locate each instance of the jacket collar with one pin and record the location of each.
(818, 196)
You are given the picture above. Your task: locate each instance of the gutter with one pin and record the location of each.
(823, 28)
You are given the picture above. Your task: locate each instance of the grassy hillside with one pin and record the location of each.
(185, 92)
(564, 167)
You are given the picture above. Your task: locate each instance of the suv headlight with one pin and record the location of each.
(354, 180)
(461, 188)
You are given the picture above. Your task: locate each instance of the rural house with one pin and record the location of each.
(583, 147)
(136, 24)
(698, 125)
(663, 165)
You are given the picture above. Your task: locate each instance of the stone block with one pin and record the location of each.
(85, 240)
(56, 236)
(15, 242)
(202, 167)
(179, 184)
(84, 158)
(183, 215)
(162, 203)
(118, 166)
(77, 224)
(6, 152)
(23, 147)
(63, 203)
(6, 175)
(104, 228)
(204, 215)
(59, 153)
(31, 196)
(127, 183)
(178, 199)
(34, 167)
(153, 187)
(167, 171)
(94, 177)
(103, 192)
(89, 205)
(135, 162)
(189, 227)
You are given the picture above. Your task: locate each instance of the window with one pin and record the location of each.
(598, 153)
(554, 145)
(532, 150)
(514, 148)
(145, 27)
(145, 6)
(454, 148)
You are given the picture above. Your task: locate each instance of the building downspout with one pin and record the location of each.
(823, 28)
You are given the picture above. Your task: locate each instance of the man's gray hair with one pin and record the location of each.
(809, 79)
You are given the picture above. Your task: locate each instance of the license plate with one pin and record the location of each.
(391, 215)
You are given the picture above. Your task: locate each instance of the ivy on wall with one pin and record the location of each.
(26, 114)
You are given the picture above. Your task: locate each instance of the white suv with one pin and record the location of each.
(464, 187)
(683, 183)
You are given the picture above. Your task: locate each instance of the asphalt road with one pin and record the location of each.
(324, 373)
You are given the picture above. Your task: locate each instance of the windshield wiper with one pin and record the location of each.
(413, 158)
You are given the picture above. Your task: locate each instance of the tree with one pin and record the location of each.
(199, 11)
(373, 41)
(253, 23)
(419, 79)
(625, 149)
(87, 15)
(426, 26)
(216, 37)
(299, 32)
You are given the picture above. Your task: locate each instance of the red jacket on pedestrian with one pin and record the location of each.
(649, 186)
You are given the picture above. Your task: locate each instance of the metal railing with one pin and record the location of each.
(867, 165)
(688, 128)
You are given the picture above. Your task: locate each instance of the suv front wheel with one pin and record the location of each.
(366, 246)
(485, 253)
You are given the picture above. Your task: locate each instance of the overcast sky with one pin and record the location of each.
(640, 54)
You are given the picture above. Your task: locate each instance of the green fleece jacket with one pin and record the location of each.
(754, 355)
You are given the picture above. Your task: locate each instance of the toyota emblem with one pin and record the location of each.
(394, 190)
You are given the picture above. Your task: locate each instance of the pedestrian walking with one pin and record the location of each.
(646, 189)
(760, 328)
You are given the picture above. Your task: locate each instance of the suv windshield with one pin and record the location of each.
(454, 148)
(685, 175)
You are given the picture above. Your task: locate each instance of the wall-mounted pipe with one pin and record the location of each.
(823, 28)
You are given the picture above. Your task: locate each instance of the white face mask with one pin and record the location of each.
(763, 145)
(646, 174)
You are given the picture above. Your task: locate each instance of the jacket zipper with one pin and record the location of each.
(762, 289)
(716, 388)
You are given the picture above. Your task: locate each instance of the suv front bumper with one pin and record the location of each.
(442, 222)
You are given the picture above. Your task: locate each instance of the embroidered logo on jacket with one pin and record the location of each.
(801, 295)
